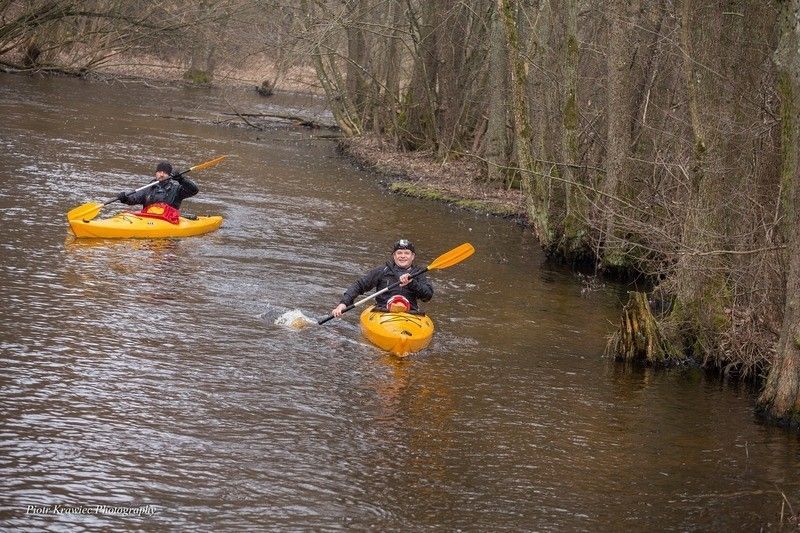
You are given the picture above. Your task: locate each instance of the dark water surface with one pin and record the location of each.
(151, 374)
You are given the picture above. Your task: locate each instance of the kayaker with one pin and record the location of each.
(170, 191)
(400, 268)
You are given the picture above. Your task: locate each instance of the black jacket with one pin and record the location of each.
(171, 191)
(383, 276)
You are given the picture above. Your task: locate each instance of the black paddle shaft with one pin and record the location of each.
(146, 186)
(353, 305)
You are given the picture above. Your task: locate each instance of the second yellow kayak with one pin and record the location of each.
(131, 226)
(398, 333)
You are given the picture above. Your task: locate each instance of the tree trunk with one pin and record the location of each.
(392, 76)
(496, 136)
(691, 78)
(451, 78)
(419, 126)
(329, 76)
(533, 184)
(575, 228)
(704, 291)
(356, 56)
(543, 105)
(202, 61)
(781, 396)
(619, 114)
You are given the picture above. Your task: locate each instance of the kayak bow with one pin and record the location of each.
(398, 333)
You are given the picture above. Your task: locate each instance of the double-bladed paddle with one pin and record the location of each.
(90, 210)
(447, 259)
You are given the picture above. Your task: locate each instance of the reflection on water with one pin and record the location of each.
(159, 372)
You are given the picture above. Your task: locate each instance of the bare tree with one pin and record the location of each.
(496, 145)
(575, 235)
(781, 395)
(622, 17)
(533, 183)
(325, 56)
(418, 130)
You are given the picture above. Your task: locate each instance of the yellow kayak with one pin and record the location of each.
(130, 226)
(398, 333)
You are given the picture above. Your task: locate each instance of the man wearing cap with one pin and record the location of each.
(170, 190)
(400, 268)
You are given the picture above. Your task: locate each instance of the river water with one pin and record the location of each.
(152, 376)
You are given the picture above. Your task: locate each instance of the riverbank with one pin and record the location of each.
(159, 72)
(419, 175)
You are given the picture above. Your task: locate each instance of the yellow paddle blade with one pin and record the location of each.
(453, 257)
(85, 211)
(208, 164)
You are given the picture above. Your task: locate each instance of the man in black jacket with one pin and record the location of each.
(400, 268)
(167, 191)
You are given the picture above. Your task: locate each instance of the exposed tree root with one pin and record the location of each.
(639, 338)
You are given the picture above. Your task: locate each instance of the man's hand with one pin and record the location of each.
(338, 310)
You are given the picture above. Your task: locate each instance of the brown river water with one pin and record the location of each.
(146, 385)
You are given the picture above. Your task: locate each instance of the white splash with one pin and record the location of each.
(294, 319)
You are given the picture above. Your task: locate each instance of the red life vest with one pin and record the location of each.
(162, 211)
(398, 304)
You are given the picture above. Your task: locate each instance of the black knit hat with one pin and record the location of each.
(164, 167)
(403, 244)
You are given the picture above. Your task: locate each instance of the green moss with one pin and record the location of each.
(513, 181)
(697, 348)
(573, 243)
(787, 146)
(572, 46)
(678, 310)
(700, 146)
(574, 250)
(701, 317)
(797, 341)
(570, 112)
(574, 227)
(429, 193)
(717, 298)
(197, 76)
(616, 259)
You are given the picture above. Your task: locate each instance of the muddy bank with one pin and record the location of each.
(460, 182)
(156, 71)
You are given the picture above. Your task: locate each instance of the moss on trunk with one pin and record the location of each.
(197, 76)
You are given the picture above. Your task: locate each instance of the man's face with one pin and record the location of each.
(403, 258)
(161, 175)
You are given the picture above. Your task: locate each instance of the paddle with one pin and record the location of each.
(90, 210)
(447, 259)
